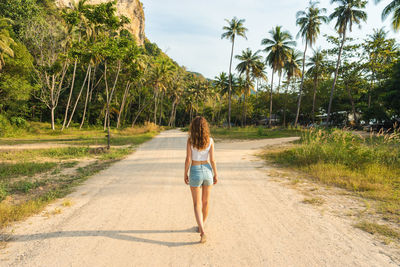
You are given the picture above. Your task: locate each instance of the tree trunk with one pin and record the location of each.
(174, 121)
(244, 110)
(230, 84)
(172, 112)
(370, 90)
(301, 87)
(79, 96)
(70, 95)
(285, 102)
(155, 106)
(107, 106)
(336, 75)
(279, 82)
(110, 94)
(139, 112)
(128, 85)
(314, 96)
(161, 107)
(52, 118)
(86, 102)
(270, 100)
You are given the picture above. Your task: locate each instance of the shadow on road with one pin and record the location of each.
(120, 235)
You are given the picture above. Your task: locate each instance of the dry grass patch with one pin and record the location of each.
(314, 201)
(381, 229)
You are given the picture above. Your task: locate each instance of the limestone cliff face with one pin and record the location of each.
(133, 9)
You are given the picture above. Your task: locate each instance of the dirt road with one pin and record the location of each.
(139, 213)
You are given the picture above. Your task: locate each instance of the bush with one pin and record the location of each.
(19, 122)
(5, 125)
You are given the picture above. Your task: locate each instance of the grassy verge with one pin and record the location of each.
(14, 212)
(380, 229)
(9, 170)
(369, 167)
(41, 132)
(30, 179)
(252, 132)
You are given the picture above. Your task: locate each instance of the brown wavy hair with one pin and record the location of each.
(199, 133)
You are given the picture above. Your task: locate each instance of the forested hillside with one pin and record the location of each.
(79, 66)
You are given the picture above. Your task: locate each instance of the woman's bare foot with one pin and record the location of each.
(203, 238)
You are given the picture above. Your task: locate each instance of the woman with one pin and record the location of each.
(199, 147)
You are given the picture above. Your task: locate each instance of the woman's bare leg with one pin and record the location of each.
(196, 195)
(205, 197)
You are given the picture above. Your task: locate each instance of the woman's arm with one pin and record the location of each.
(213, 164)
(187, 162)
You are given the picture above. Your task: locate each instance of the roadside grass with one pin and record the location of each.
(41, 132)
(40, 154)
(252, 132)
(31, 179)
(381, 229)
(9, 170)
(314, 201)
(14, 212)
(368, 167)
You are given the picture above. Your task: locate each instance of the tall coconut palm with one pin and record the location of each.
(315, 67)
(392, 7)
(292, 69)
(278, 50)
(250, 63)
(235, 28)
(309, 22)
(6, 41)
(348, 12)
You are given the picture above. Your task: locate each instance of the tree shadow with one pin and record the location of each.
(120, 235)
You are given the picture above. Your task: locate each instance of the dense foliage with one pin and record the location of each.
(79, 66)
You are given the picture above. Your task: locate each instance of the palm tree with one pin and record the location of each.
(75, 18)
(392, 7)
(221, 81)
(160, 74)
(315, 65)
(346, 14)
(235, 28)
(5, 41)
(278, 49)
(292, 69)
(261, 73)
(250, 63)
(309, 22)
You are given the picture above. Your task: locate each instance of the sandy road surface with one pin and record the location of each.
(139, 213)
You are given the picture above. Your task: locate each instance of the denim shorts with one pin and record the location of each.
(200, 175)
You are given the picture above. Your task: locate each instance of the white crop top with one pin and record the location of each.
(201, 155)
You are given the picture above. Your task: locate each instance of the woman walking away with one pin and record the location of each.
(199, 147)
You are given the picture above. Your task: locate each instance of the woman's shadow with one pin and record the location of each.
(121, 235)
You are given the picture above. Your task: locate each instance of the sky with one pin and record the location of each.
(190, 31)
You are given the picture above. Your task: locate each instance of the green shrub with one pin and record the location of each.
(5, 125)
(19, 122)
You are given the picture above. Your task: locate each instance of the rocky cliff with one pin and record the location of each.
(133, 9)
